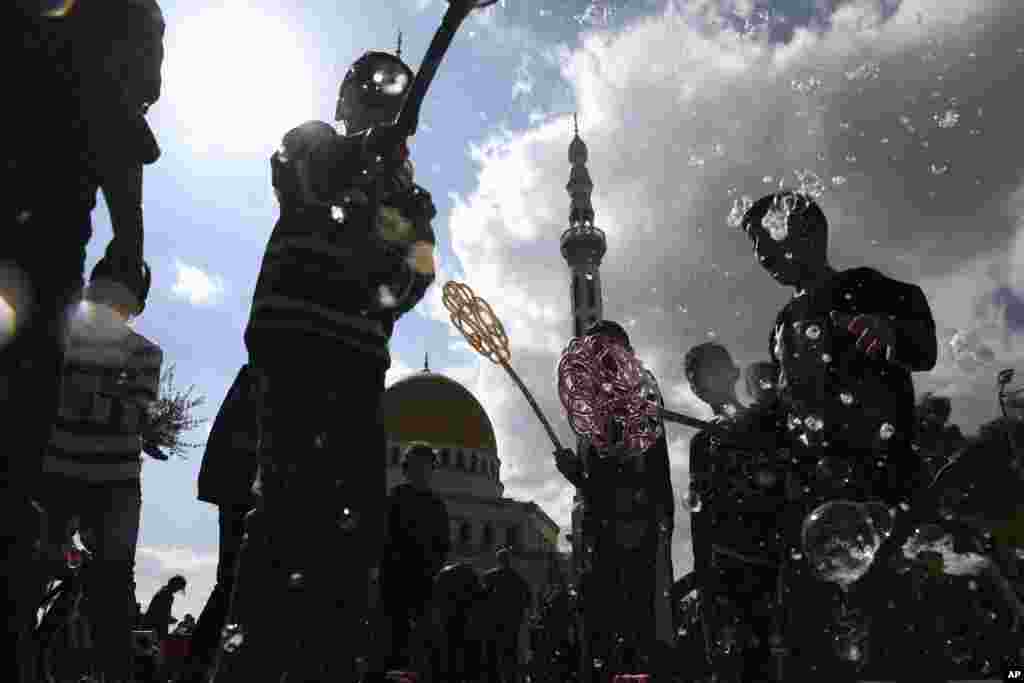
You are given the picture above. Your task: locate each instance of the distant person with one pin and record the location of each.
(226, 478)
(416, 547)
(457, 591)
(508, 598)
(938, 441)
(158, 614)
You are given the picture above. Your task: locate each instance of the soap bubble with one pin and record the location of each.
(232, 637)
(840, 540)
(946, 119)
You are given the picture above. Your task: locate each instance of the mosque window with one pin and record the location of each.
(474, 464)
(591, 294)
(577, 294)
(488, 537)
(465, 533)
(460, 460)
(446, 458)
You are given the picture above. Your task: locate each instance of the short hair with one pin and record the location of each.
(177, 578)
(810, 218)
(701, 354)
(504, 556)
(609, 328)
(417, 451)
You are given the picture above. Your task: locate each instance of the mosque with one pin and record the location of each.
(432, 408)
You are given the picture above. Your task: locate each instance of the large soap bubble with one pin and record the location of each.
(841, 538)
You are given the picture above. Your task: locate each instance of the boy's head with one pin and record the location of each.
(789, 233)
(711, 373)
(418, 464)
(372, 92)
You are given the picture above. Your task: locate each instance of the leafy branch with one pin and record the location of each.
(169, 418)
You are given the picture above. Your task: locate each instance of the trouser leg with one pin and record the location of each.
(112, 514)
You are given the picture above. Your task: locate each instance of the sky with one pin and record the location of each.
(901, 117)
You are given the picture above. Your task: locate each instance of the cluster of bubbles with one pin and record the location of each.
(868, 71)
(969, 353)
(740, 207)
(806, 86)
(598, 13)
(946, 119)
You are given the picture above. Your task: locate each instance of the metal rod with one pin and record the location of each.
(533, 404)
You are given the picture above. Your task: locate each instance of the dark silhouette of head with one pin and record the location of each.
(373, 91)
(504, 556)
(418, 464)
(760, 380)
(711, 373)
(177, 583)
(935, 409)
(789, 233)
(611, 330)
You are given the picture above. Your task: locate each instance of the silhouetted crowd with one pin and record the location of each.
(840, 529)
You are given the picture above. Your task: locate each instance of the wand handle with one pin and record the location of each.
(456, 13)
(533, 404)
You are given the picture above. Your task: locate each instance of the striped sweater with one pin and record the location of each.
(317, 280)
(106, 390)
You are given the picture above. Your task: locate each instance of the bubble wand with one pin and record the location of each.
(600, 381)
(473, 317)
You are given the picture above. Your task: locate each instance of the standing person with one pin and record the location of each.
(508, 597)
(457, 590)
(416, 548)
(333, 283)
(938, 442)
(226, 477)
(54, 164)
(632, 506)
(736, 555)
(847, 344)
(92, 468)
(158, 614)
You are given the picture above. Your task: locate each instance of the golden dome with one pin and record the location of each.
(429, 407)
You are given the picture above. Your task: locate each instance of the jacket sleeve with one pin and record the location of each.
(909, 315)
(916, 343)
(660, 472)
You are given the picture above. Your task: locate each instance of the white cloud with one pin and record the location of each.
(154, 565)
(729, 97)
(196, 286)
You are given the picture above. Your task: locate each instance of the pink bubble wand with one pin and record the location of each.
(600, 382)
